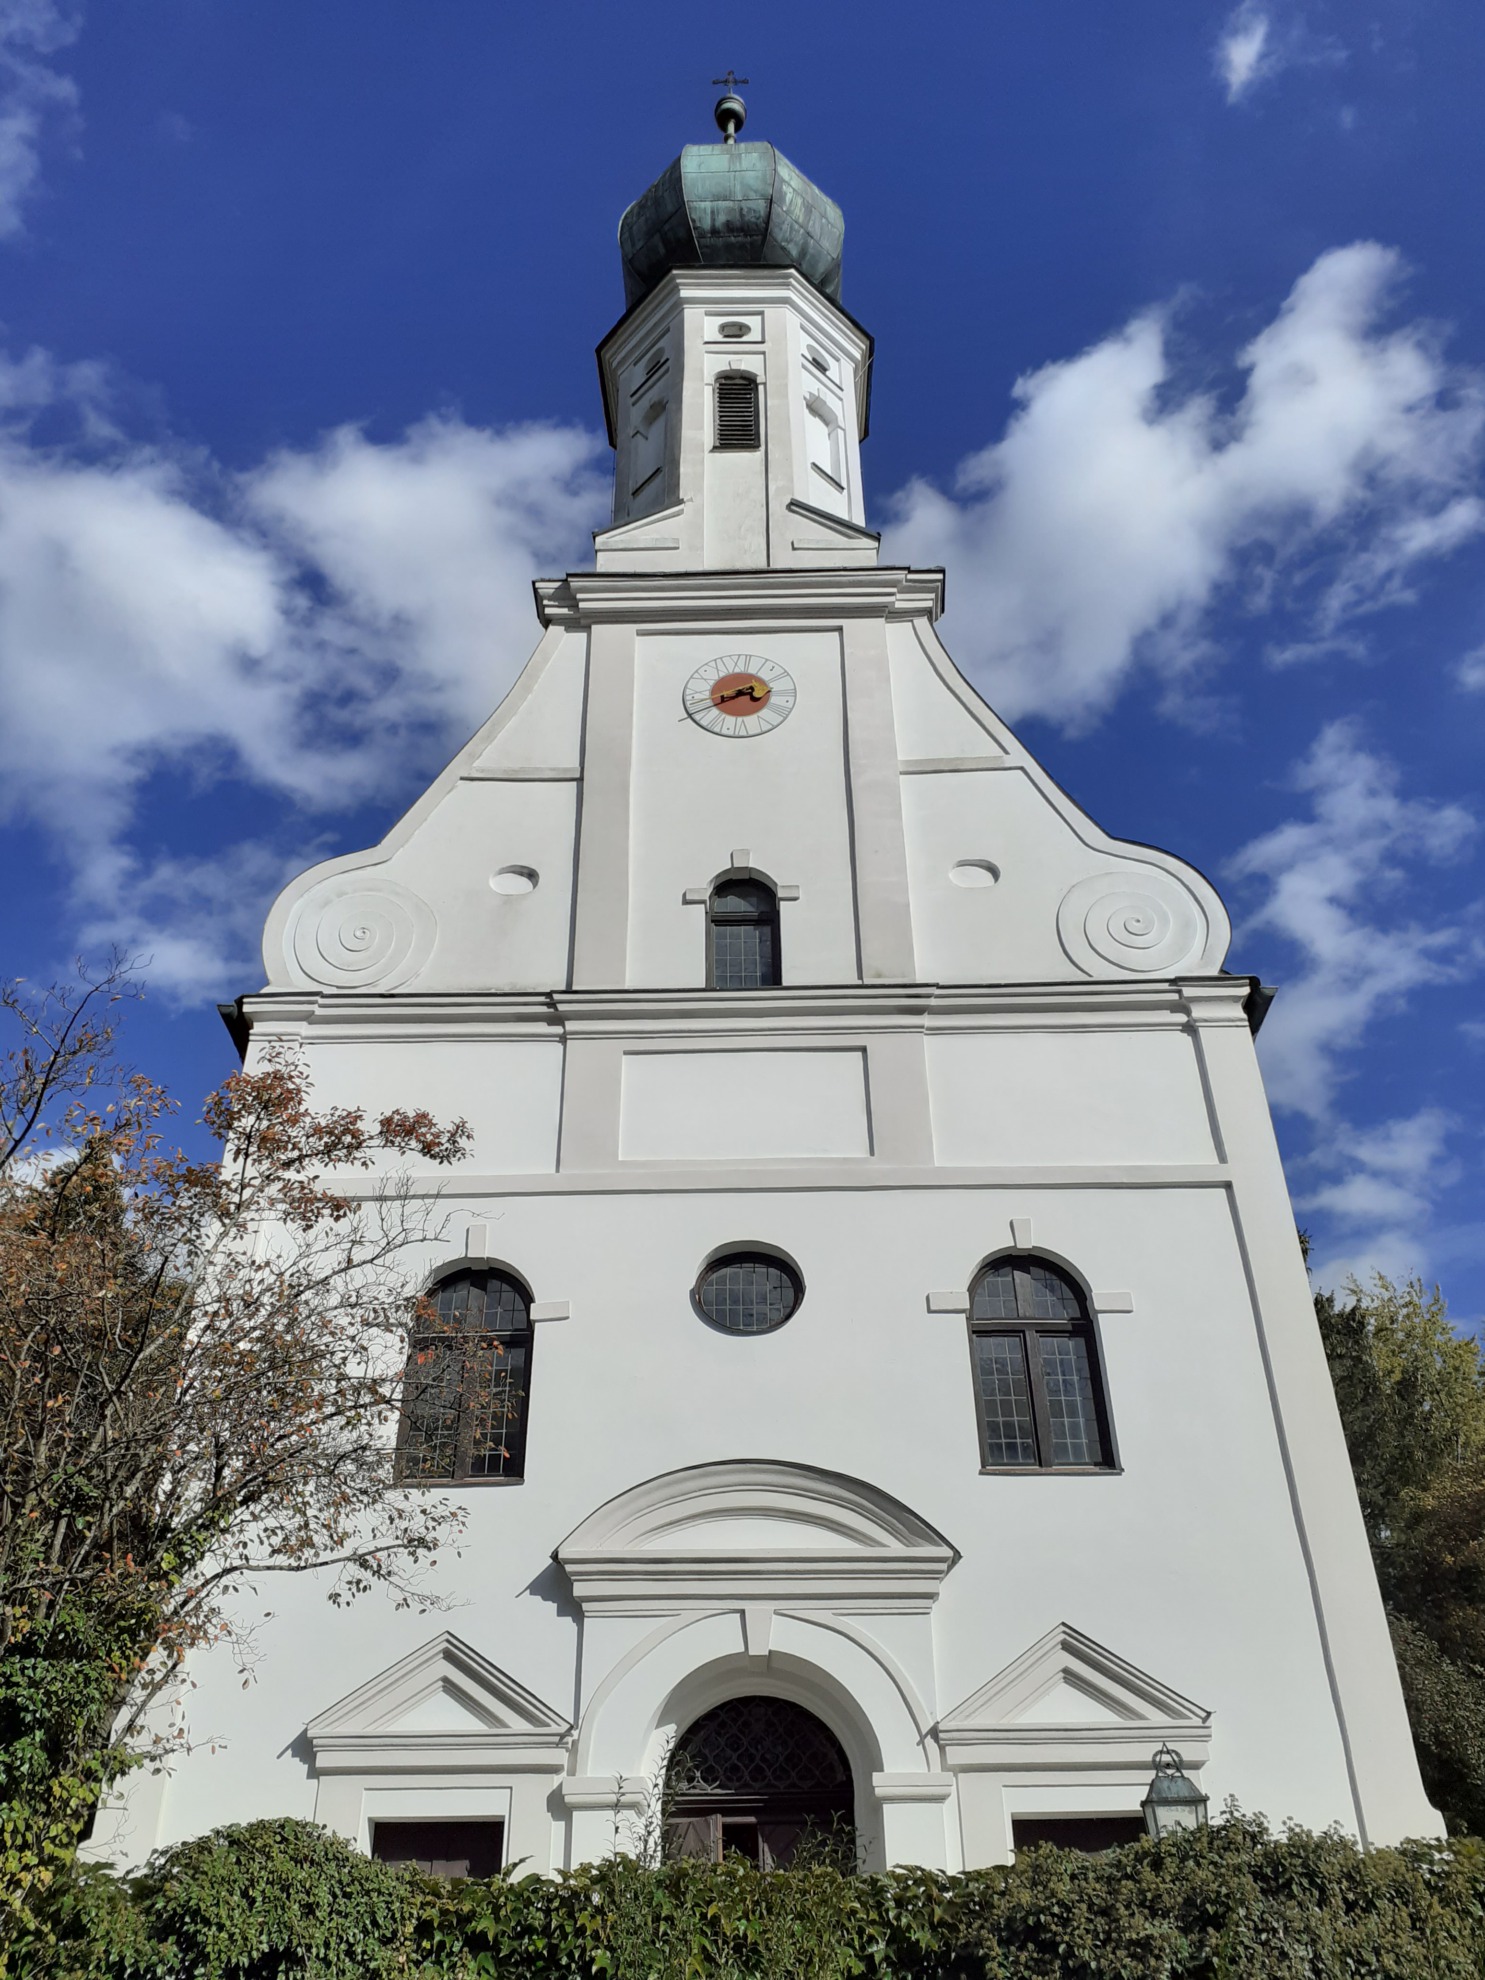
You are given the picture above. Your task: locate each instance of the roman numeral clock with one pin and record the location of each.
(739, 694)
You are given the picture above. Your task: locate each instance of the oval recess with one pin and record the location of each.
(974, 873)
(515, 880)
(732, 331)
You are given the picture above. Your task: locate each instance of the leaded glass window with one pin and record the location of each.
(743, 936)
(748, 1292)
(467, 1384)
(1037, 1380)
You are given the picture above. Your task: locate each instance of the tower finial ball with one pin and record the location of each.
(731, 114)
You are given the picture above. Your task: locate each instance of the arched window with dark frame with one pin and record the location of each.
(737, 422)
(468, 1380)
(742, 936)
(1038, 1384)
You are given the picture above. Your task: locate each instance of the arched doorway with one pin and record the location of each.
(761, 1778)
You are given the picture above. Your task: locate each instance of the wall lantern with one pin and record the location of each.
(1173, 1802)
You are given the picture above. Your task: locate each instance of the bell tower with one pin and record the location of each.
(736, 388)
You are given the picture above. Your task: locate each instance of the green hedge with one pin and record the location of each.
(1230, 1903)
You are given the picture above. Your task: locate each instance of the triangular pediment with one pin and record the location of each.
(445, 1687)
(1067, 1680)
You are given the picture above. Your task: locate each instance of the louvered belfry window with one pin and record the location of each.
(1038, 1385)
(737, 410)
(468, 1381)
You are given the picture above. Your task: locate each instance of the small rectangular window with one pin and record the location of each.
(441, 1849)
(1090, 1833)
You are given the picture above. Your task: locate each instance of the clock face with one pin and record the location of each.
(739, 694)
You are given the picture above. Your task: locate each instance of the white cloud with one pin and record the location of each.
(311, 628)
(1471, 671)
(1096, 537)
(1379, 1195)
(1260, 38)
(429, 547)
(33, 95)
(1245, 50)
(193, 926)
(1339, 890)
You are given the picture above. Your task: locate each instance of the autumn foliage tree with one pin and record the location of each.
(1412, 1398)
(200, 1365)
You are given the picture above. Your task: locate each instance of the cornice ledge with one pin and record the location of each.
(369, 1009)
(760, 1010)
(1216, 1000)
(1209, 1001)
(912, 1787)
(585, 598)
(512, 1750)
(1034, 1747)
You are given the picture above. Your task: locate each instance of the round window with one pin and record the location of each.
(748, 1292)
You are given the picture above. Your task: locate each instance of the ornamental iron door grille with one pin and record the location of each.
(762, 1778)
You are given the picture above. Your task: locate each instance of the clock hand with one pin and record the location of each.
(734, 694)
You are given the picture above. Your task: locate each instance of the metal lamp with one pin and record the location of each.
(1173, 1802)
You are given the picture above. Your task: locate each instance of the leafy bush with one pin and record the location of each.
(281, 1899)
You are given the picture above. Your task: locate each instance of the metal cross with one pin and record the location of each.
(730, 81)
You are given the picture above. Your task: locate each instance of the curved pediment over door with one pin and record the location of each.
(754, 1531)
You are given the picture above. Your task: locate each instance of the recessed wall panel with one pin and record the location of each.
(741, 1106)
(1037, 1098)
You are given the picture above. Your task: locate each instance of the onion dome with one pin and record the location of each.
(731, 205)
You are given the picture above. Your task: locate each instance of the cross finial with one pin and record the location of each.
(731, 112)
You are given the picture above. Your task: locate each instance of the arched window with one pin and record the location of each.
(742, 936)
(468, 1380)
(647, 444)
(737, 410)
(1037, 1378)
(826, 439)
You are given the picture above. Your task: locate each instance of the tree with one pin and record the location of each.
(200, 1368)
(1412, 1398)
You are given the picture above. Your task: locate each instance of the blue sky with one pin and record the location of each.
(1180, 320)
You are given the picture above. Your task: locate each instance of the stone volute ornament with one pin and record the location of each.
(351, 935)
(1140, 920)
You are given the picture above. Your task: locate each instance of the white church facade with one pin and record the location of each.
(911, 1407)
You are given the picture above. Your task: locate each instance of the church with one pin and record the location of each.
(909, 1426)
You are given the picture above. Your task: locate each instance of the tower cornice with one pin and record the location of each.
(585, 598)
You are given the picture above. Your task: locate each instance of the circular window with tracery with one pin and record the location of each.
(748, 1292)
